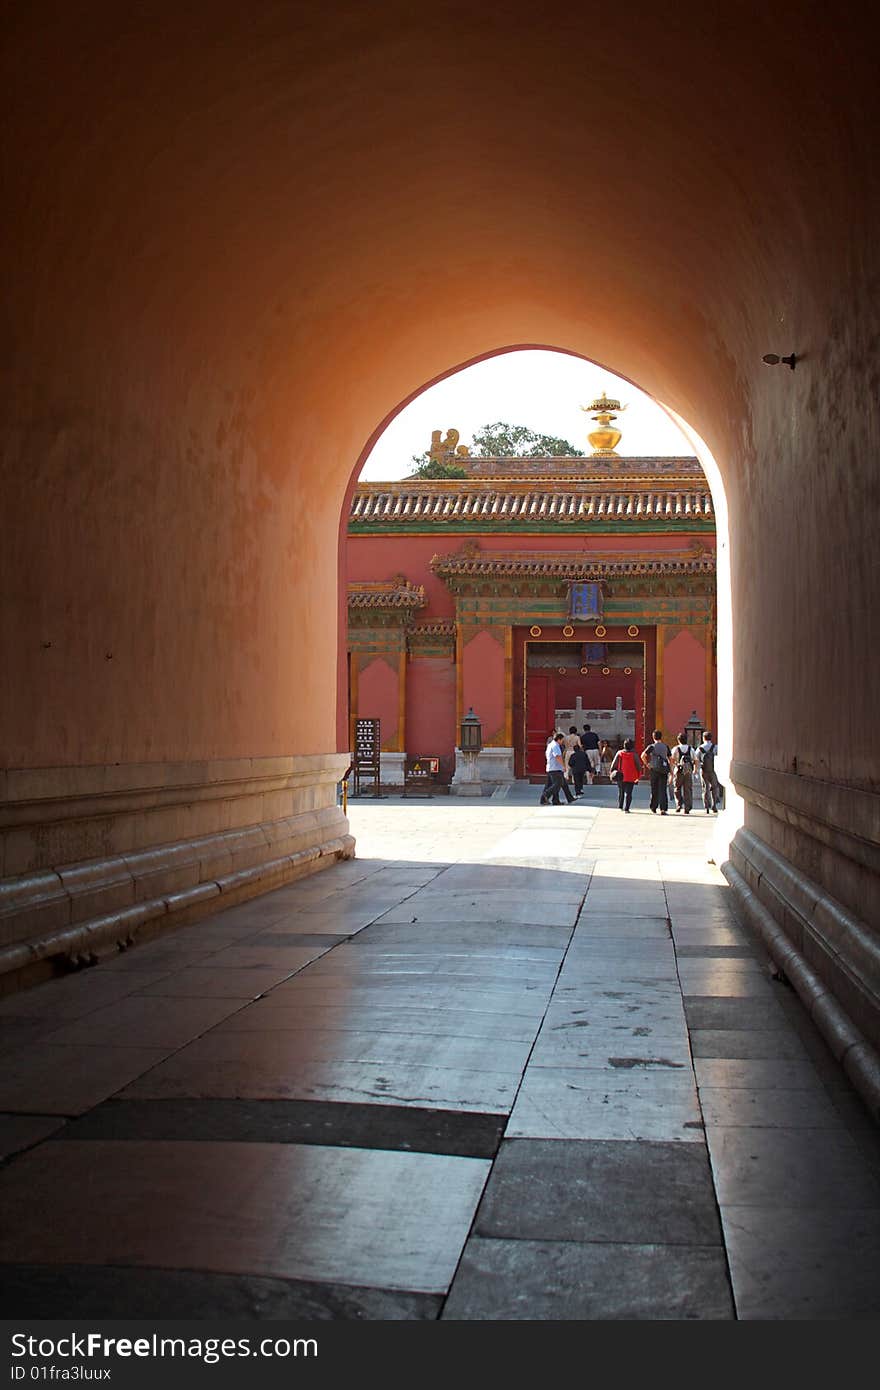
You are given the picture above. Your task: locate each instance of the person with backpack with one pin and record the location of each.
(625, 772)
(682, 761)
(706, 755)
(656, 759)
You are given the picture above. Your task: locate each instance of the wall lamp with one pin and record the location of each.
(772, 358)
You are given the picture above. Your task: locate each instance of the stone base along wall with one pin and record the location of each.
(93, 859)
(804, 872)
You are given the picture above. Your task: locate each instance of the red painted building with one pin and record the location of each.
(537, 592)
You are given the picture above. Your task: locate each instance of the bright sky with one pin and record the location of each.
(542, 390)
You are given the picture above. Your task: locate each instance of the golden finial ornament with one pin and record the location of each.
(447, 450)
(606, 438)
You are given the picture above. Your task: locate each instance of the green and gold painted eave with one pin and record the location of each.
(704, 526)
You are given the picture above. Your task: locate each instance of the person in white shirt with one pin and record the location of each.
(555, 772)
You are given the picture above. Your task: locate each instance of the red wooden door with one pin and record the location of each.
(540, 713)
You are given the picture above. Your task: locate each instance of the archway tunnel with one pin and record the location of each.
(242, 240)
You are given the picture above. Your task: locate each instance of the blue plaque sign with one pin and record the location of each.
(585, 601)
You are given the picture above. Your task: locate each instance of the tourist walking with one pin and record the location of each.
(656, 759)
(577, 766)
(626, 765)
(590, 745)
(605, 756)
(570, 742)
(706, 755)
(555, 772)
(682, 761)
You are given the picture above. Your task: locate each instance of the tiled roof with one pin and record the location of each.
(385, 595)
(572, 566)
(519, 501)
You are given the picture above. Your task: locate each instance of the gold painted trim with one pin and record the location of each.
(632, 630)
(535, 631)
(568, 630)
(601, 630)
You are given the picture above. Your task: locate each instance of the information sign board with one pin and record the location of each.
(367, 753)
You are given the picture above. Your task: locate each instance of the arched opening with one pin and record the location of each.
(547, 666)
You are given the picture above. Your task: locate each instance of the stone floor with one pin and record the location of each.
(511, 1063)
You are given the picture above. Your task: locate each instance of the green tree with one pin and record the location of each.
(433, 468)
(518, 441)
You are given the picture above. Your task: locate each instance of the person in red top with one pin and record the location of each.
(626, 764)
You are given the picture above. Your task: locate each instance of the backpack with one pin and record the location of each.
(686, 758)
(659, 761)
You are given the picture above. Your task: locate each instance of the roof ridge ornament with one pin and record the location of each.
(606, 438)
(447, 450)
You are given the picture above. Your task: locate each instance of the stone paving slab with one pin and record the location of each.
(757, 1073)
(784, 1167)
(723, 976)
(86, 1292)
(732, 1012)
(464, 1134)
(744, 1042)
(429, 953)
(19, 1132)
(19, 1033)
(768, 1109)
(454, 1023)
(594, 929)
(685, 952)
(383, 1219)
(547, 911)
(77, 995)
(466, 993)
(565, 1103)
(608, 1011)
(50, 1079)
(279, 938)
(286, 1049)
(512, 877)
(634, 1193)
(709, 936)
(252, 1078)
(155, 1022)
(486, 935)
(802, 1264)
(618, 1048)
(217, 982)
(565, 889)
(505, 1280)
(445, 972)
